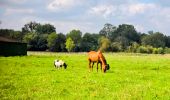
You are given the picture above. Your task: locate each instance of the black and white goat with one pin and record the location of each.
(59, 63)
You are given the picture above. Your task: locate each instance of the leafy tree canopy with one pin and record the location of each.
(69, 44)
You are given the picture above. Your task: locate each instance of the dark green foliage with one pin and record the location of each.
(11, 34)
(121, 37)
(76, 36)
(56, 42)
(89, 42)
(116, 46)
(108, 31)
(45, 29)
(34, 27)
(13, 49)
(36, 42)
(154, 39)
(167, 41)
(112, 38)
(123, 42)
(52, 42)
(127, 31)
(61, 39)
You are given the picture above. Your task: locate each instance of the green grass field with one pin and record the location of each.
(131, 76)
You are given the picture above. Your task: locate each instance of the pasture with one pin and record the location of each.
(131, 76)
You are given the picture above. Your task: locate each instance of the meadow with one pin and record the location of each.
(131, 77)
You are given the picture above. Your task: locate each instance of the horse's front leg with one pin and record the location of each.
(92, 66)
(101, 66)
(97, 66)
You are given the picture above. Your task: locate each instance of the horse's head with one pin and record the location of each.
(107, 66)
(65, 65)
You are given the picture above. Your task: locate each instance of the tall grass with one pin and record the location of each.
(132, 76)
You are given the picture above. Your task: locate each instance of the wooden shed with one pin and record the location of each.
(9, 47)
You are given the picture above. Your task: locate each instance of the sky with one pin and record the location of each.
(87, 15)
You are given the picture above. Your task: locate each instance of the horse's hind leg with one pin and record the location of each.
(89, 65)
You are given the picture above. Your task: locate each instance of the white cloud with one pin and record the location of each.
(10, 11)
(139, 8)
(108, 10)
(102, 10)
(57, 5)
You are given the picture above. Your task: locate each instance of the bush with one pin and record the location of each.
(167, 50)
(161, 50)
(133, 47)
(155, 51)
(146, 49)
(149, 49)
(115, 46)
(142, 49)
(158, 51)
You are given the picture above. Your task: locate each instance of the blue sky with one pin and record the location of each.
(87, 15)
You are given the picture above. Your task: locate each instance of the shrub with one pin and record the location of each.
(160, 50)
(149, 49)
(133, 47)
(142, 49)
(167, 50)
(155, 51)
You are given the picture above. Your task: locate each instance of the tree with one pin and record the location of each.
(30, 27)
(31, 40)
(75, 35)
(12, 34)
(56, 42)
(45, 29)
(89, 42)
(34, 27)
(60, 40)
(104, 44)
(42, 42)
(167, 41)
(36, 42)
(127, 31)
(69, 44)
(108, 31)
(155, 39)
(123, 43)
(52, 42)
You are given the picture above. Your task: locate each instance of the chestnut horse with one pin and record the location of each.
(98, 58)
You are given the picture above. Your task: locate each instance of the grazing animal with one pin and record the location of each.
(98, 58)
(59, 63)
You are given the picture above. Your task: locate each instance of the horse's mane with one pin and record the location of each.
(101, 56)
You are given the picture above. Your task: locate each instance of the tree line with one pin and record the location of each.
(121, 38)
